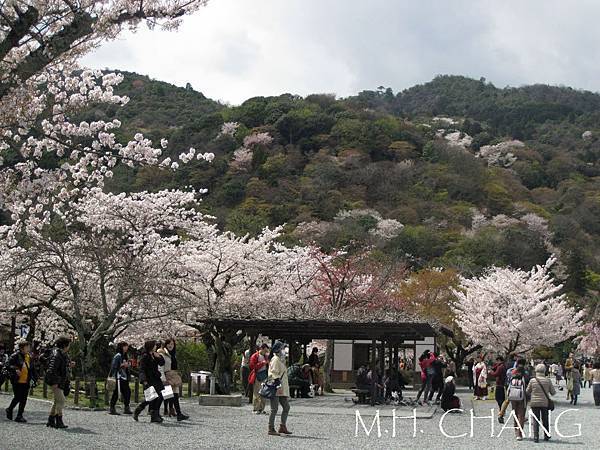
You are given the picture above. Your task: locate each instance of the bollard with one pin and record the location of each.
(45, 390)
(212, 385)
(180, 390)
(106, 399)
(189, 388)
(76, 393)
(136, 391)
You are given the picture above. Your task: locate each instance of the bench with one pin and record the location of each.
(363, 395)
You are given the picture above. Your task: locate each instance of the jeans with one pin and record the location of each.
(426, 387)
(59, 401)
(596, 387)
(21, 391)
(500, 395)
(542, 416)
(275, 401)
(519, 410)
(125, 392)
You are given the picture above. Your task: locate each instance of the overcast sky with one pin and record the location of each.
(236, 49)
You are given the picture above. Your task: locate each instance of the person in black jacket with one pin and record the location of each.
(119, 369)
(22, 374)
(57, 377)
(151, 360)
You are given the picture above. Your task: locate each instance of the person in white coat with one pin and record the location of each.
(278, 371)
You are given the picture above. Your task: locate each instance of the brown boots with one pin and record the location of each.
(283, 429)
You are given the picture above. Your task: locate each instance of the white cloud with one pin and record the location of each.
(235, 49)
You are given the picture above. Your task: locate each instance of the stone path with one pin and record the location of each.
(322, 423)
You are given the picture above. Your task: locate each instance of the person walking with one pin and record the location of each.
(57, 377)
(499, 372)
(596, 382)
(259, 370)
(151, 361)
(480, 379)
(470, 363)
(22, 374)
(517, 397)
(119, 369)
(171, 377)
(278, 371)
(587, 375)
(575, 383)
(539, 390)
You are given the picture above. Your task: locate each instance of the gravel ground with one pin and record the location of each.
(330, 424)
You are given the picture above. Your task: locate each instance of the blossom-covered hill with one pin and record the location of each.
(453, 173)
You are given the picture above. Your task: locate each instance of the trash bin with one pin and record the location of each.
(200, 382)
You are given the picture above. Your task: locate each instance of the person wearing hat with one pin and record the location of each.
(539, 390)
(278, 371)
(259, 368)
(22, 374)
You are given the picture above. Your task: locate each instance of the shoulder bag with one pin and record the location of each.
(550, 402)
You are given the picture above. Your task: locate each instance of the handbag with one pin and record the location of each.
(150, 394)
(167, 392)
(550, 402)
(67, 388)
(268, 390)
(173, 378)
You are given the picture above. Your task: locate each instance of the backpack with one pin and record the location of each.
(516, 391)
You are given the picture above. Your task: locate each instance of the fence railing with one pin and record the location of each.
(91, 392)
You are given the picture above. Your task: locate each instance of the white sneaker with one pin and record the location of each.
(519, 438)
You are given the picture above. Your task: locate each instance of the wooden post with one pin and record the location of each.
(180, 390)
(396, 361)
(45, 390)
(106, 399)
(373, 367)
(76, 393)
(93, 393)
(189, 389)
(304, 354)
(382, 356)
(390, 356)
(136, 391)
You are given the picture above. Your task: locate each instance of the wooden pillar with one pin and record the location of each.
(382, 356)
(396, 362)
(253, 339)
(76, 393)
(390, 356)
(373, 351)
(11, 338)
(304, 354)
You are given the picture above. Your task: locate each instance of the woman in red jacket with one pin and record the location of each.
(259, 368)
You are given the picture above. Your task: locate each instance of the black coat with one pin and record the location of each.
(150, 364)
(58, 369)
(16, 362)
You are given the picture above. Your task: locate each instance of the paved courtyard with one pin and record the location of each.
(321, 423)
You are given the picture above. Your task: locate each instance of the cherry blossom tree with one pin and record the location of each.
(101, 266)
(42, 88)
(510, 310)
(352, 283)
(590, 342)
(239, 277)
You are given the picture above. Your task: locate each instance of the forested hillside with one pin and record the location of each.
(453, 173)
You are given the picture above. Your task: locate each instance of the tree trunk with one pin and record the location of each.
(327, 366)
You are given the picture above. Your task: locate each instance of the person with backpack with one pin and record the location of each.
(119, 369)
(22, 375)
(539, 390)
(516, 396)
(58, 378)
(259, 365)
(508, 378)
(596, 383)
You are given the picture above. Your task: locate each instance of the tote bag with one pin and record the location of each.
(150, 394)
(167, 392)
